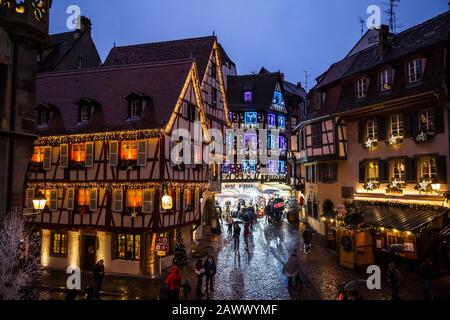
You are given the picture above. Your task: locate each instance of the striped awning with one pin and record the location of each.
(405, 219)
(446, 231)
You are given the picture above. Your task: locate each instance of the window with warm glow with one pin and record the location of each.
(373, 170)
(428, 168)
(134, 198)
(38, 155)
(129, 150)
(129, 247)
(47, 194)
(59, 243)
(386, 80)
(426, 121)
(398, 170)
(83, 197)
(397, 125)
(79, 152)
(372, 129)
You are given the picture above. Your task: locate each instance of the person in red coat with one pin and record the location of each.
(173, 282)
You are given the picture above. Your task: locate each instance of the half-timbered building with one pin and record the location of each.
(376, 135)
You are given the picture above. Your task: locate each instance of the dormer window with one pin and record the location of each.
(415, 70)
(43, 117)
(248, 96)
(361, 87)
(386, 80)
(136, 109)
(85, 113)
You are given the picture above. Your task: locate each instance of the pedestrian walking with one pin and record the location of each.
(210, 272)
(425, 270)
(307, 239)
(236, 236)
(186, 288)
(200, 272)
(99, 274)
(395, 279)
(173, 282)
(246, 234)
(230, 224)
(251, 216)
(292, 268)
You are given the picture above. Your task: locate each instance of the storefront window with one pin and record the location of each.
(129, 247)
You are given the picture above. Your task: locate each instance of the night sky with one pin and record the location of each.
(287, 35)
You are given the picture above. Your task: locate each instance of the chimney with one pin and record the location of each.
(84, 24)
(383, 42)
(299, 84)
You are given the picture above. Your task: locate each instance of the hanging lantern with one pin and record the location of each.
(39, 202)
(166, 200)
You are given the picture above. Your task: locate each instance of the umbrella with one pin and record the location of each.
(270, 191)
(395, 248)
(356, 285)
(278, 200)
(237, 220)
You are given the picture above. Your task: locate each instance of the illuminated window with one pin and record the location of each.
(398, 170)
(129, 150)
(59, 243)
(272, 166)
(249, 166)
(428, 168)
(414, 70)
(282, 143)
(38, 155)
(281, 167)
(79, 152)
(281, 122)
(271, 142)
(250, 142)
(397, 125)
(251, 118)
(426, 121)
(278, 98)
(134, 198)
(129, 247)
(372, 129)
(373, 170)
(83, 197)
(135, 109)
(271, 120)
(361, 88)
(386, 80)
(248, 96)
(47, 194)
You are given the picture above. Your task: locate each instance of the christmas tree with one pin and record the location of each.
(180, 257)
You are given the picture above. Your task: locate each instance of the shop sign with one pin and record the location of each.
(162, 243)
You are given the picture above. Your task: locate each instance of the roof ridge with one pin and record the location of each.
(164, 42)
(417, 26)
(117, 67)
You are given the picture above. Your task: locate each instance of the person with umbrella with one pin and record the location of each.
(395, 279)
(292, 268)
(236, 235)
(307, 238)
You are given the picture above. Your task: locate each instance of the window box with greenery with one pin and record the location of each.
(371, 184)
(395, 187)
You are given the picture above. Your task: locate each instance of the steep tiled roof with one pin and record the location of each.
(198, 48)
(58, 47)
(263, 86)
(109, 86)
(420, 36)
(294, 89)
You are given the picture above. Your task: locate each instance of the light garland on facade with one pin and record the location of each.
(103, 136)
(394, 141)
(222, 86)
(112, 185)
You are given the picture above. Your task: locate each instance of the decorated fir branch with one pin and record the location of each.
(180, 255)
(370, 144)
(394, 140)
(424, 185)
(395, 186)
(113, 185)
(371, 185)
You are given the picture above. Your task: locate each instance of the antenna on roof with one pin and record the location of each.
(307, 75)
(214, 33)
(114, 44)
(392, 15)
(362, 22)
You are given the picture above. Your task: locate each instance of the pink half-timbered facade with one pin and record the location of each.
(104, 159)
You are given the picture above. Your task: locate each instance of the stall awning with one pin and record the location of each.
(445, 232)
(406, 219)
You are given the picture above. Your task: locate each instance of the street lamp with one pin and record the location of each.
(39, 202)
(166, 200)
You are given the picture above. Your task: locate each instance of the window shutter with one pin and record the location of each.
(441, 163)
(93, 199)
(70, 199)
(197, 198)
(382, 130)
(411, 170)
(439, 126)
(185, 198)
(148, 201)
(177, 199)
(113, 153)
(64, 156)
(142, 153)
(47, 165)
(335, 172)
(424, 64)
(114, 246)
(362, 171)
(89, 162)
(53, 200)
(406, 124)
(29, 198)
(117, 200)
(383, 170)
(414, 121)
(362, 131)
